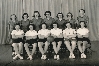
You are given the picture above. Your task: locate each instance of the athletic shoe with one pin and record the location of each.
(45, 57)
(84, 56)
(70, 55)
(15, 57)
(42, 57)
(58, 57)
(55, 57)
(20, 57)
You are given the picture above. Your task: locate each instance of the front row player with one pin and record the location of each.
(43, 33)
(69, 38)
(58, 37)
(17, 36)
(31, 39)
(82, 38)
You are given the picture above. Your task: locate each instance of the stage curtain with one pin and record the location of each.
(18, 7)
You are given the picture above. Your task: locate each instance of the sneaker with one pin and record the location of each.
(15, 57)
(58, 57)
(30, 57)
(44, 57)
(84, 56)
(55, 57)
(70, 55)
(20, 57)
(73, 56)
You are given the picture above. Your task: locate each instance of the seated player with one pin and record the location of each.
(82, 38)
(42, 35)
(31, 39)
(17, 36)
(69, 38)
(57, 34)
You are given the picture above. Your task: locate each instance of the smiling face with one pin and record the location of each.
(43, 26)
(36, 15)
(68, 25)
(47, 15)
(81, 12)
(17, 27)
(82, 24)
(25, 17)
(13, 17)
(31, 27)
(55, 26)
(60, 16)
(69, 16)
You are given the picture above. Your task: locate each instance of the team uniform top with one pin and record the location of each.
(24, 24)
(69, 31)
(11, 24)
(60, 23)
(72, 21)
(31, 33)
(56, 32)
(49, 22)
(36, 22)
(82, 31)
(44, 32)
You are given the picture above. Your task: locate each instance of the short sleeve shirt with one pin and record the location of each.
(49, 22)
(37, 22)
(24, 25)
(20, 32)
(44, 32)
(69, 31)
(82, 31)
(60, 23)
(31, 33)
(72, 21)
(56, 32)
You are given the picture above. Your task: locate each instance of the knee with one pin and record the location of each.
(14, 44)
(53, 43)
(34, 45)
(73, 42)
(39, 44)
(25, 45)
(66, 42)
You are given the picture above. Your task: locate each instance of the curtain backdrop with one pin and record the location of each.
(18, 7)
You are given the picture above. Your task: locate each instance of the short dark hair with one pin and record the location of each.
(25, 14)
(83, 10)
(60, 13)
(84, 24)
(36, 12)
(67, 23)
(54, 23)
(69, 13)
(31, 25)
(42, 24)
(47, 12)
(14, 15)
(16, 24)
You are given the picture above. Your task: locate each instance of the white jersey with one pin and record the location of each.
(82, 31)
(31, 33)
(15, 32)
(44, 32)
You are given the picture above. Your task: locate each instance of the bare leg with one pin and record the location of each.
(34, 48)
(40, 44)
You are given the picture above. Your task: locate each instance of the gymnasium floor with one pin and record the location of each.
(91, 60)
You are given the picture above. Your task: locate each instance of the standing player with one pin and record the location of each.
(82, 34)
(58, 37)
(31, 39)
(11, 25)
(17, 36)
(48, 20)
(25, 22)
(71, 20)
(36, 20)
(60, 20)
(42, 35)
(82, 17)
(69, 38)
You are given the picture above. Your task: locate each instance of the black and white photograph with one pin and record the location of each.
(49, 32)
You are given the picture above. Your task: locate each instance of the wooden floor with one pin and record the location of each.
(91, 60)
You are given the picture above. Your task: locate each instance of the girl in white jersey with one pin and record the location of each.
(43, 33)
(69, 38)
(82, 37)
(31, 39)
(58, 38)
(17, 36)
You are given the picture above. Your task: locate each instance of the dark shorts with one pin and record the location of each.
(42, 40)
(70, 39)
(83, 39)
(17, 40)
(31, 41)
(58, 39)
